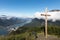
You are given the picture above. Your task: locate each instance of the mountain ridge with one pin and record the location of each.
(25, 22)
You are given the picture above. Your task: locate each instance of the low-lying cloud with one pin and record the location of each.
(54, 15)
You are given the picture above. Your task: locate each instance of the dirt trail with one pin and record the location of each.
(50, 37)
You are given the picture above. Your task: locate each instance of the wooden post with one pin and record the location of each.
(46, 11)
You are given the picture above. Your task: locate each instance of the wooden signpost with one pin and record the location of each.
(46, 11)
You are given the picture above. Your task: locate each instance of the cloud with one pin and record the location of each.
(54, 15)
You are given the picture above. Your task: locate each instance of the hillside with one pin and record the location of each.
(40, 22)
(38, 26)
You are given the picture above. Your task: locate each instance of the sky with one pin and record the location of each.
(27, 8)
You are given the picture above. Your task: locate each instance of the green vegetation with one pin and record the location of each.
(23, 36)
(23, 33)
(54, 30)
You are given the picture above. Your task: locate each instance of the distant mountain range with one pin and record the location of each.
(9, 23)
(40, 22)
(36, 23)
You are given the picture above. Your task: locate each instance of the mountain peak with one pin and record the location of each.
(56, 10)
